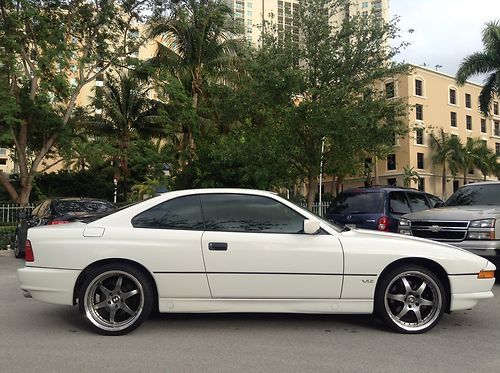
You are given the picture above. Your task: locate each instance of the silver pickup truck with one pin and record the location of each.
(469, 219)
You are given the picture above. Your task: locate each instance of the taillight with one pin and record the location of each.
(28, 252)
(55, 222)
(383, 224)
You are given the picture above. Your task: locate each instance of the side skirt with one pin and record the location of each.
(333, 306)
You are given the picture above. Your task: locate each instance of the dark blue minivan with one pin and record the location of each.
(378, 208)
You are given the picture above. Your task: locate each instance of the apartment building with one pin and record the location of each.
(6, 164)
(251, 14)
(436, 102)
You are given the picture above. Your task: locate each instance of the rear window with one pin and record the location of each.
(77, 206)
(357, 203)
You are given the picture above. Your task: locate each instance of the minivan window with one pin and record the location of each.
(398, 203)
(487, 194)
(247, 213)
(357, 203)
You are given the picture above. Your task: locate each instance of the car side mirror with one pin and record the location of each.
(311, 226)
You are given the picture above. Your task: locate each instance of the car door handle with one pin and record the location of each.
(217, 246)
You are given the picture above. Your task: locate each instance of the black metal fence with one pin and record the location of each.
(9, 218)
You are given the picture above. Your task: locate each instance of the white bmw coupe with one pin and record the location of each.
(237, 250)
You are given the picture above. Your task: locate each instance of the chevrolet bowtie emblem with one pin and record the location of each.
(435, 228)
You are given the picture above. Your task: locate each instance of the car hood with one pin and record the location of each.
(455, 213)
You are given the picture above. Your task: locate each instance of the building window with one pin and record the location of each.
(495, 107)
(456, 185)
(453, 96)
(3, 151)
(419, 87)
(3, 161)
(419, 112)
(468, 103)
(421, 184)
(453, 119)
(364, 5)
(419, 136)
(389, 90)
(391, 181)
(420, 161)
(391, 162)
(497, 148)
(496, 128)
(468, 122)
(483, 125)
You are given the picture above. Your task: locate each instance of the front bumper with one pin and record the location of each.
(48, 284)
(486, 249)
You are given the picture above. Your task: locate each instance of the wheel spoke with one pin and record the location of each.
(118, 285)
(397, 297)
(112, 314)
(425, 302)
(129, 294)
(418, 315)
(403, 312)
(407, 285)
(127, 309)
(421, 289)
(104, 289)
(100, 305)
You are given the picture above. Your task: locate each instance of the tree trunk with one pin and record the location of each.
(311, 191)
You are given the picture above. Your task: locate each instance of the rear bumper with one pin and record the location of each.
(48, 284)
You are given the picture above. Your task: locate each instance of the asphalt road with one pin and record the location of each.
(41, 337)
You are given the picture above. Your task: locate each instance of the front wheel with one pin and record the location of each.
(115, 299)
(410, 299)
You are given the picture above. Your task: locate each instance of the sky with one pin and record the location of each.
(445, 31)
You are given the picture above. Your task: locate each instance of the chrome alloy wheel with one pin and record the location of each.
(413, 300)
(114, 300)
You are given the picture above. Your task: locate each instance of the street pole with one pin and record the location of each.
(320, 209)
(115, 181)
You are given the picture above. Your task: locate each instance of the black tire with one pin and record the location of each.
(410, 299)
(19, 246)
(114, 299)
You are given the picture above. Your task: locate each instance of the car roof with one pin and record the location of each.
(379, 189)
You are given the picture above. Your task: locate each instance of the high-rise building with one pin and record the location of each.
(251, 14)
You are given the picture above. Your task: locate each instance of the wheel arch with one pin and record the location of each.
(81, 278)
(433, 266)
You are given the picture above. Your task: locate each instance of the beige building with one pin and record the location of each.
(6, 164)
(436, 102)
(253, 13)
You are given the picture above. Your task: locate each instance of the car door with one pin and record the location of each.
(254, 247)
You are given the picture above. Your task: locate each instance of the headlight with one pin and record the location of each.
(481, 235)
(484, 223)
(404, 223)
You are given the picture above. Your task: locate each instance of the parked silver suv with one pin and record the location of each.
(469, 219)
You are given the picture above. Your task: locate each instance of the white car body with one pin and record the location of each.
(333, 272)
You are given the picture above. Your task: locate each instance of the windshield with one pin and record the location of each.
(486, 194)
(357, 203)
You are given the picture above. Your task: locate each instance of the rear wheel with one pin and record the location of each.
(116, 299)
(410, 299)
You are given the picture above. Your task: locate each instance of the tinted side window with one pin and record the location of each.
(245, 213)
(179, 213)
(418, 202)
(398, 203)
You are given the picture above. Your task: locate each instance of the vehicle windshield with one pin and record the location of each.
(486, 194)
(83, 207)
(357, 203)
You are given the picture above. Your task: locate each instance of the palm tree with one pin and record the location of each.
(409, 175)
(486, 161)
(442, 155)
(485, 62)
(127, 113)
(195, 45)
